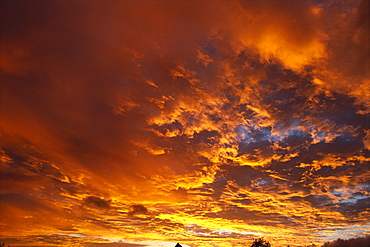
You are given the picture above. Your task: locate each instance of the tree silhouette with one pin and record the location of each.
(260, 243)
(353, 242)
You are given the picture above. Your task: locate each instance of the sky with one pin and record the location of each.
(205, 123)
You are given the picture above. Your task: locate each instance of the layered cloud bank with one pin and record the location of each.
(201, 122)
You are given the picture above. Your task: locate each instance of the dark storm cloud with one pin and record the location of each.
(355, 206)
(242, 175)
(138, 209)
(26, 167)
(354, 169)
(97, 202)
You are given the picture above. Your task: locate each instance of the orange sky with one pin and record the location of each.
(208, 123)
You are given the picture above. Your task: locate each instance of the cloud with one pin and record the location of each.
(115, 244)
(290, 32)
(97, 202)
(138, 209)
(225, 119)
(347, 63)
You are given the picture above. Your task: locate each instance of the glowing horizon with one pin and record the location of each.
(205, 123)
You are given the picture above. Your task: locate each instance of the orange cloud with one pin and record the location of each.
(203, 122)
